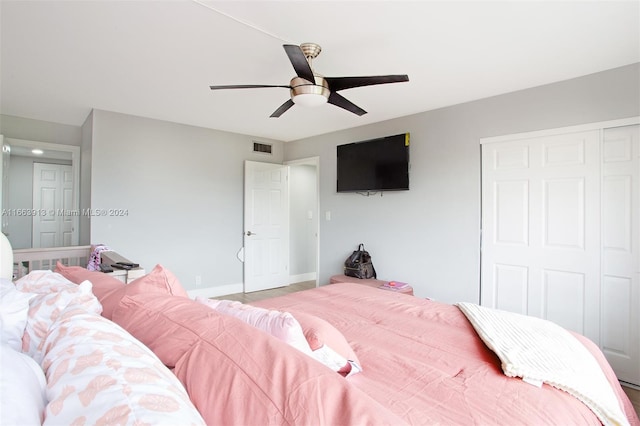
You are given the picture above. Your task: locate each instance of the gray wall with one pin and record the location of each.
(429, 236)
(183, 189)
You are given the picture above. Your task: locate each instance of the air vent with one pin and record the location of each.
(262, 147)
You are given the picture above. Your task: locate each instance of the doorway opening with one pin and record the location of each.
(304, 223)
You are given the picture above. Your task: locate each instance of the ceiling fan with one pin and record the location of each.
(311, 89)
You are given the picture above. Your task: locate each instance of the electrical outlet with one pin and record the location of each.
(198, 280)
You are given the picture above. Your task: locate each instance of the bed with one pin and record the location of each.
(338, 354)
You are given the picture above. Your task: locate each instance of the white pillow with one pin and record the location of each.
(279, 324)
(23, 387)
(14, 307)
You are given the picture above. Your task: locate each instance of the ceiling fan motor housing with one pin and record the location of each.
(306, 92)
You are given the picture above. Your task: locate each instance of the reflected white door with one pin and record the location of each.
(56, 223)
(541, 229)
(266, 226)
(620, 251)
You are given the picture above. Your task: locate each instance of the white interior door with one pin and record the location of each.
(55, 224)
(540, 221)
(620, 251)
(266, 226)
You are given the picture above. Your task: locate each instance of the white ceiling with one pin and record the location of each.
(157, 58)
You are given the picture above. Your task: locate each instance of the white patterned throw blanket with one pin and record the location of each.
(540, 351)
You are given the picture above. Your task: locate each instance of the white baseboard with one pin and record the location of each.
(222, 290)
(310, 276)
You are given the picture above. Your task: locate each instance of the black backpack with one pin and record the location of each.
(359, 264)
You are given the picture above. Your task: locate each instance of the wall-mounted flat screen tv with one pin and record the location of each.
(374, 165)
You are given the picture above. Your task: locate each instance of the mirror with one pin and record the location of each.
(49, 215)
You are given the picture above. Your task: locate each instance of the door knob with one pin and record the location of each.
(249, 233)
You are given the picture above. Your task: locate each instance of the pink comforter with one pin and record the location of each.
(424, 361)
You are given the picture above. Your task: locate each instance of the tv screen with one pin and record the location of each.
(374, 165)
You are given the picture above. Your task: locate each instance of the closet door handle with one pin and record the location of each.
(249, 233)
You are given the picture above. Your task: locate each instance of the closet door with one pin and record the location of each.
(620, 251)
(541, 229)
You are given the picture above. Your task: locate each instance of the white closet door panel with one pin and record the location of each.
(506, 226)
(620, 251)
(617, 203)
(511, 212)
(565, 298)
(616, 315)
(540, 248)
(564, 213)
(511, 284)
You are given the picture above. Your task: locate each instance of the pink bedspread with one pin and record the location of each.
(424, 361)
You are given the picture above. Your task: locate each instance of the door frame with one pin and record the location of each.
(311, 161)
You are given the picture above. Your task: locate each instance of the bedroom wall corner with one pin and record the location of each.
(86, 148)
(180, 189)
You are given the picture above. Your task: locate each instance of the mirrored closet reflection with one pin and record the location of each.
(40, 196)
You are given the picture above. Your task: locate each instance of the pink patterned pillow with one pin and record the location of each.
(45, 309)
(279, 324)
(99, 374)
(44, 282)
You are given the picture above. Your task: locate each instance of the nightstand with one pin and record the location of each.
(369, 282)
(126, 276)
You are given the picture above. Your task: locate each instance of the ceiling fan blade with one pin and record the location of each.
(245, 86)
(342, 102)
(299, 62)
(284, 107)
(341, 83)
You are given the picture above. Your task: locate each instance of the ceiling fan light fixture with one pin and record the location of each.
(307, 94)
(309, 99)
